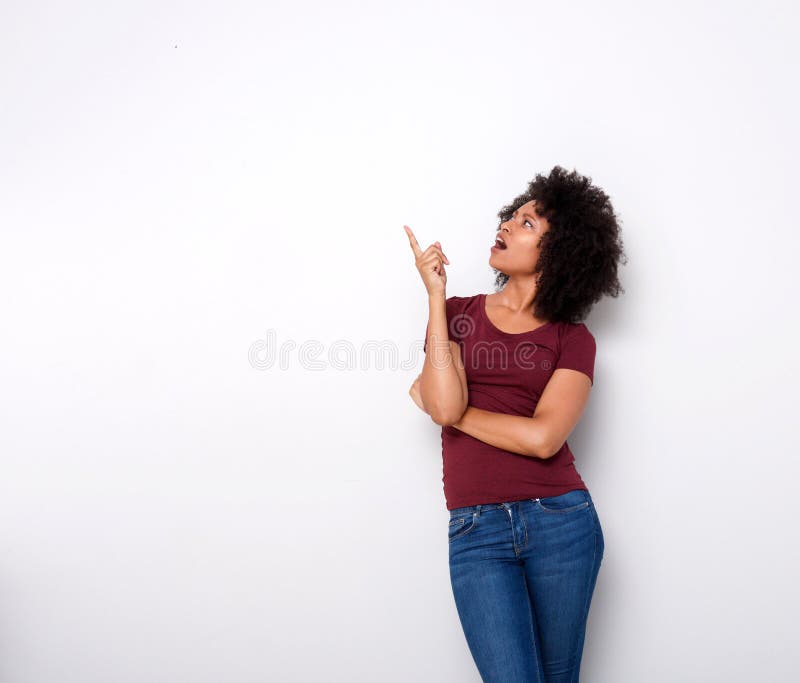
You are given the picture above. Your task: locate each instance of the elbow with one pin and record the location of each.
(446, 418)
(444, 421)
(445, 411)
(543, 447)
(447, 415)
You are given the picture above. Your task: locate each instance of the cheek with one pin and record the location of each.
(527, 254)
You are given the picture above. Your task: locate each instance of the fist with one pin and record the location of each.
(416, 395)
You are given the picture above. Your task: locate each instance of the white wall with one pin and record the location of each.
(180, 181)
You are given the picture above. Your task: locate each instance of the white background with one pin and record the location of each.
(181, 182)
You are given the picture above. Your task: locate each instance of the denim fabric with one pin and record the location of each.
(523, 573)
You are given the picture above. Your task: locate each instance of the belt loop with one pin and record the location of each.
(478, 510)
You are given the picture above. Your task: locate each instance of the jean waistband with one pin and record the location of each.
(578, 494)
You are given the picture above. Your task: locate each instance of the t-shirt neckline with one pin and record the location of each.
(482, 306)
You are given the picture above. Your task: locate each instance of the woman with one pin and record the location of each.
(508, 376)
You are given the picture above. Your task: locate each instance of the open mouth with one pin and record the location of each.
(499, 243)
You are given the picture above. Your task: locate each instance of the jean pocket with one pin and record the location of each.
(461, 526)
(566, 502)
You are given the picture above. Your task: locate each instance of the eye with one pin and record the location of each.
(527, 222)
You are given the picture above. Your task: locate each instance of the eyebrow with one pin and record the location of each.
(536, 220)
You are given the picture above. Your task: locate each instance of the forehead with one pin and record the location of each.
(529, 208)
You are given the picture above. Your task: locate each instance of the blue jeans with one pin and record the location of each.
(523, 574)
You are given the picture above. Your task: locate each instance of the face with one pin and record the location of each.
(521, 235)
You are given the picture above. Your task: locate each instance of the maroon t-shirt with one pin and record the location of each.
(507, 373)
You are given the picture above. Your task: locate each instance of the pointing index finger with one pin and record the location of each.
(413, 241)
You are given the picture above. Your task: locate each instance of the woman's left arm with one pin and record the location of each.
(558, 411)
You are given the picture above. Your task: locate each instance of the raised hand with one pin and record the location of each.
(430, 264)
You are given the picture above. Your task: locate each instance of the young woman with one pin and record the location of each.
(507, 376)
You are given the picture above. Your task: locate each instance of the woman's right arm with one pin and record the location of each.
(443, 382)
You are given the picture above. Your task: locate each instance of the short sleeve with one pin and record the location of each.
(451, 306)
(578, 350)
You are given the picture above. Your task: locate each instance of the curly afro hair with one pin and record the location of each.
(581, 251)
